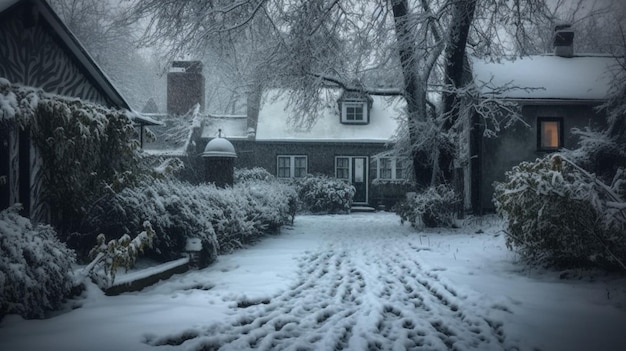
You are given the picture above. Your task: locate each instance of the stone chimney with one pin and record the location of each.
(563, 40)
(185, 87)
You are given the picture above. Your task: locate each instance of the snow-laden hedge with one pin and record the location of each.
(224, 219)
(558, 214)
(323, 194)
(35, 267)
(434, 207)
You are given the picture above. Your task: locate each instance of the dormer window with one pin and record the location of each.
(355, 108)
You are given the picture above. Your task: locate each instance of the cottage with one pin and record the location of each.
(351, 139)
(556, 93)
(38, 50)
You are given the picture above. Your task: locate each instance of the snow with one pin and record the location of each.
(121, 279)
(349, 282)
(274, 122)
(231, 126)
(546, 77)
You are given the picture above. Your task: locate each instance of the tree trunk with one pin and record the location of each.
(455, 59)
(414, 88)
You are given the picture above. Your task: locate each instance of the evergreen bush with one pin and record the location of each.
(323, 194)
(35, 267)
(434, 207)
(558, 214)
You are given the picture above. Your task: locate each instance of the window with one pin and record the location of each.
(549, 133)
(342, 167)
(291, 166)
(390, 168)
(354, 110)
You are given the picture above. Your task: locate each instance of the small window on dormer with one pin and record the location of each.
(354, 108)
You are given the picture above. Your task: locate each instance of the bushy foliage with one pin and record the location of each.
(108, 257)
(434, 207)
(224, 219)
(323, 194)
(84, 151)
(35, 267)
(257, 173)
(558, 214)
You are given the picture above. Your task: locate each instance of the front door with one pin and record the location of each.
(355, 170)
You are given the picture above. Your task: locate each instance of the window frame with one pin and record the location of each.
(393, 168)
(291, 166)
(560, 127)
(355, 103)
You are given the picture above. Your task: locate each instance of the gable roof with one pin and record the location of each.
(274, 121)
(74, 48)
(546, 77)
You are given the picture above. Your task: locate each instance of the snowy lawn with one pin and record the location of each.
(349, 282)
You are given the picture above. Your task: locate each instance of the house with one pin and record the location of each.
(38, 50)
(556, 93)
(351, 139)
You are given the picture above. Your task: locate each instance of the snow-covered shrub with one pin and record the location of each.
(323, 194)
(108, 257)
(176, 210)
(35, 267)
(224, 219)
(257, 173)
(436, 206)
(558, 214)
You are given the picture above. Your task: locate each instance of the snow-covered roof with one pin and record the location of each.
(546, 77)
(231, 126)
(82, 58)
(274, 121)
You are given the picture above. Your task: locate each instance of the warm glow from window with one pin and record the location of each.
(550, 135)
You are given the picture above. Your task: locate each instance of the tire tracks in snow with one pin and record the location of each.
(356, 293)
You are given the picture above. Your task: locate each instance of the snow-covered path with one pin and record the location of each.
(364, 288)
(347, 282)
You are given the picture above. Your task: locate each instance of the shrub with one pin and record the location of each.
(108, 257)
(558, 214)
(35, 267)
(323, 194)
(435, 207)
(257, 173)
(224, 219)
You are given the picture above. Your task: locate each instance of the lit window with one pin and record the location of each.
(390, 168)
(550, 133)
(291, 166)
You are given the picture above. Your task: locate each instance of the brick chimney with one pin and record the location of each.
(185, 87)
(563, 40)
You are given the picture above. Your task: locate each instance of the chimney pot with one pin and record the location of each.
(563, 41)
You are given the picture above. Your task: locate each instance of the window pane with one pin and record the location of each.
(550, 134)
(354, 112)
(343, 168)
(284, 167)
(299, 167)
(399, 169)
(385, 168)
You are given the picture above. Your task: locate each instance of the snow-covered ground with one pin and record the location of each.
(349, 282)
